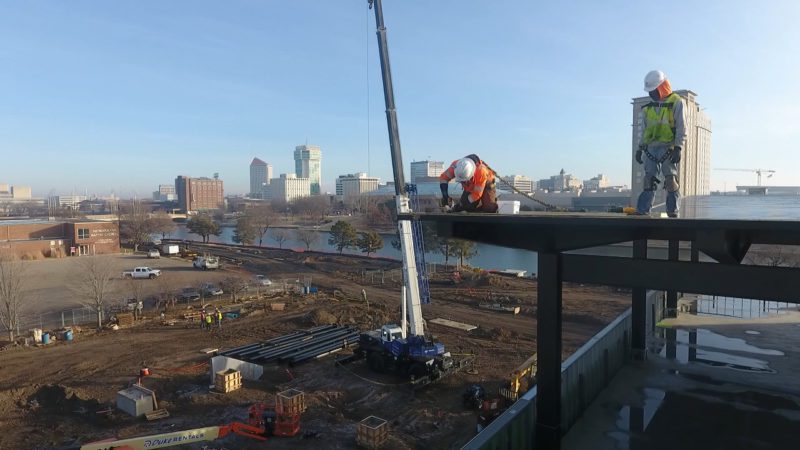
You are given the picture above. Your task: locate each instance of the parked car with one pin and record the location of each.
(262, 280)
(210, 289)
(206, 262)
(190, 294)
(142, 272)
(154, 253)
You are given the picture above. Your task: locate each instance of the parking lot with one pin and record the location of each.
(54, 285)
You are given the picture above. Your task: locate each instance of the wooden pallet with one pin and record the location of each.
(228, 380)
(157, 414)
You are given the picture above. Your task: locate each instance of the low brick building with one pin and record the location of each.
(34, 239)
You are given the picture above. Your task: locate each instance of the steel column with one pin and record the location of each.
(548, 347)
(639, 309)
(672, 295)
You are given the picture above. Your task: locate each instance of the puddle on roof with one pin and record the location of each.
(636, 418)
(694, 346)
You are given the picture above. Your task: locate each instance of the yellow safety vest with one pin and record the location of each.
(659, 121)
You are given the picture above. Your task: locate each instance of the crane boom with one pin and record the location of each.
(412, 296)
(758, 172)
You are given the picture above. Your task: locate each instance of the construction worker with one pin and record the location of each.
(662, 133)
(202, 319)
(478, 182)
(219, 318)
(208, 321)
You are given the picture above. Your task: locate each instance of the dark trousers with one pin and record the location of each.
(487, 202)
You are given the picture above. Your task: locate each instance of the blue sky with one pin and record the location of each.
(101, 96)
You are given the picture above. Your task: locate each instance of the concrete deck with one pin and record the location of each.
(708, 383)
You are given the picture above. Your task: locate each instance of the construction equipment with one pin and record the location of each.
(758, 172)
(521, 380)
(262, 423)
(403, 349)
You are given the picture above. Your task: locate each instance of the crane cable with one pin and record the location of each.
(524, 194)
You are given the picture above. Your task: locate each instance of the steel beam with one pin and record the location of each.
(639, 307)
(548, 347)
(672, 295)
(725, 280)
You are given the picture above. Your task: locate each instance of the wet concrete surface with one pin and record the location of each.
(720, 386)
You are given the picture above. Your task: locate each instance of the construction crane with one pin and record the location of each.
(404, 349)
(769, 172)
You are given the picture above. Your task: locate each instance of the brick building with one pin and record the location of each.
(197, 194)
(35, 239)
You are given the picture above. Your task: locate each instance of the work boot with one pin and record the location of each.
(673, 215)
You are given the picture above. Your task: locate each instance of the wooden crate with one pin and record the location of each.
(290, 402)
(372, 432)
(125, 319)
(228, 380)
(277, 306)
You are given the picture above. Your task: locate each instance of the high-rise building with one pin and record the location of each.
(353, 185)
(260, 174)
(694, 171)
(596, 183)
(425, 169)
(289, 187)
(308, 164)
(198, 194)
(521, 182)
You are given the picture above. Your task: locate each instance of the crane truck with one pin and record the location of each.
(403, 349)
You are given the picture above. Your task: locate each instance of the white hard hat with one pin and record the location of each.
(465, 169)
(653, 79)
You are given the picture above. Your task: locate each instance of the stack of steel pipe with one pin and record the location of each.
(298, 346)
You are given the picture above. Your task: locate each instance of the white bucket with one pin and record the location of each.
(508, 206)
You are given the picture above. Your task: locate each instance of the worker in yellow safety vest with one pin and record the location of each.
(661, 137)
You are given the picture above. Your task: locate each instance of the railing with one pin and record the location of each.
(583, 375)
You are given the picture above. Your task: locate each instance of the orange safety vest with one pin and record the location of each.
(475, 186)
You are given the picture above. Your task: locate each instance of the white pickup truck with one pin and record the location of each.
(142, 272)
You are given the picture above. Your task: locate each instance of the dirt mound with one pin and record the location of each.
(496, 334)
(354, 315)
(322, 317)
(58, 399)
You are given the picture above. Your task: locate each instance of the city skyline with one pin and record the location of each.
(101, 89)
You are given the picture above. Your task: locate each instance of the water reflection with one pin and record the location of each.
(691, 346)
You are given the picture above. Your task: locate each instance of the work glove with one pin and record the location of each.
(676, 155)
(639, 153)
(445, 201)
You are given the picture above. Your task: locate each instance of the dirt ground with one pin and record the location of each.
(49, 396)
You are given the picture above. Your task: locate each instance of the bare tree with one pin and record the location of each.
(95, 282)
(135, 289)
(12, 300)
(166, 292)
(314, 207)
(773, 256)
(307, 237)
(135, 226)
(280, 236)
(235, 285)
(161, 222)
(262, 217)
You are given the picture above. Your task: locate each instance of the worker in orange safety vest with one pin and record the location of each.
(478, 182)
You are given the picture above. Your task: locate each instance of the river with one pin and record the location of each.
(493, 257)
